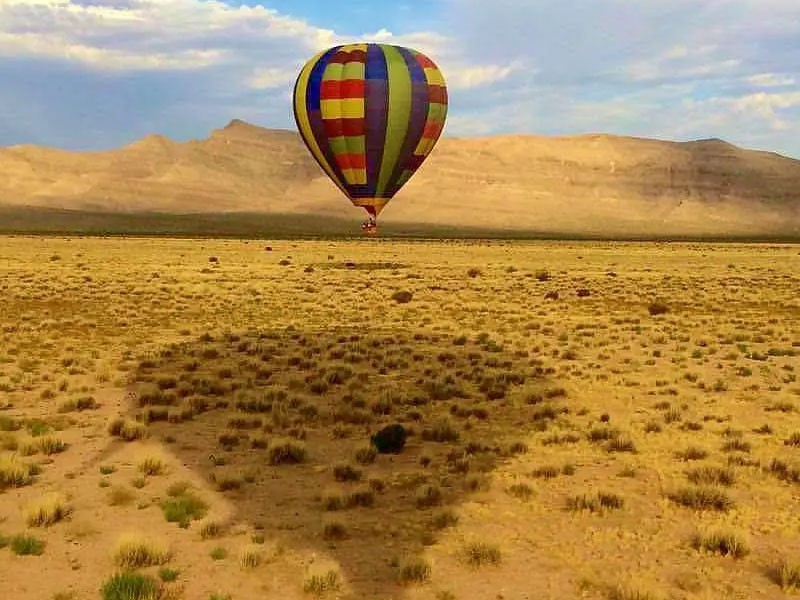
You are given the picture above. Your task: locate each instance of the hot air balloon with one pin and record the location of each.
(370, 114)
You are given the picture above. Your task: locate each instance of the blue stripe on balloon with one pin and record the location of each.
(377, 100)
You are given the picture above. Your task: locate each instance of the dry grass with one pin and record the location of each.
(134, 551)
(702, 498)
(265, 384)
(786, 575)
(251, 556)
(46, 511)
(597, 503)
(321, 579)
(152, 465)
(14, 472)
(723, 543)
(414, 570)
(481, 554)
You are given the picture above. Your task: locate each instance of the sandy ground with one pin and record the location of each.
(223, 352)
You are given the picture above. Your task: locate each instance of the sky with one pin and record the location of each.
(98, 74)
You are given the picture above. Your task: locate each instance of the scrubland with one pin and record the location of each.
(193, 419)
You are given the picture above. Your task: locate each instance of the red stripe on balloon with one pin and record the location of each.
(352, 161)
(339, 90)
(437, 94)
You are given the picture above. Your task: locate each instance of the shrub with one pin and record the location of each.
(521, 490)
(168, 575)
(46, 511)
(320, 581)
(479, 554)
(428, 496)
(334, 530)
(784, 471)
(390, 439)
(600, 502)
(14, 472)
(786, 575)
(26, 545)
(441, 431)
(250, 556)
(601, 434)
(546, 472)
(152, 465)
(210, 530)
(692, 453)
(363, 496)
(134, 552)
(366, 454)
(445, 518)
(345, 472)
(414, 570)
(402, 296)
(702, 498)
(657, 307)
(621, 445)
(127, 430)
(128, 585)
(736, 445)
(542, 275)
(286, 451)
(184, 508)
(712, 476)
(793, 440)
(726, 544)
(333, 499)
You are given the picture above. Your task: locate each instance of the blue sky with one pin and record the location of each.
(96, 74)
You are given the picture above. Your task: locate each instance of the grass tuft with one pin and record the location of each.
(321, 581)
(184, 508)
(712, 476)
(702, 498)
(414, 570)
(786, 575)
(14, 472)
(286, 452)
(128, 585)
(26, 545)
(250, 556)
(134, 552)
(598, 503)
(46, 511)
(724, 544)
(127, 429)
(479, 554)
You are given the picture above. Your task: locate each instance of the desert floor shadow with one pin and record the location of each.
(281, 422)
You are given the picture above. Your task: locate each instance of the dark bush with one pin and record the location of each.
(390, 439)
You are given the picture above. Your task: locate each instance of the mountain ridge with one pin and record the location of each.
(591, 183)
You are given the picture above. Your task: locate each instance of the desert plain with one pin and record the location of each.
(187, 418)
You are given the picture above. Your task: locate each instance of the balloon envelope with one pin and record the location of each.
(370, 115)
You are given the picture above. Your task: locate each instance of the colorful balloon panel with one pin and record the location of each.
(370, 114)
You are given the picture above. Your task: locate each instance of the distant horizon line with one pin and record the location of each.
(445, 135)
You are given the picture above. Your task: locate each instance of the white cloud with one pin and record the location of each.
(272, 77)
(769, 80)
(41, 45)
(468, 77)
(151, 34)
(678, 69)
